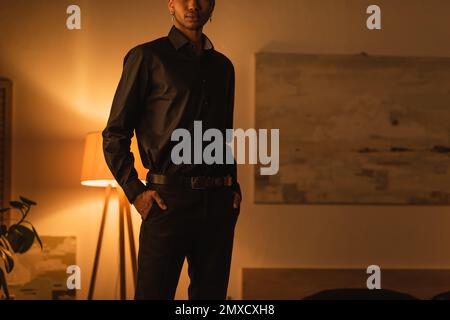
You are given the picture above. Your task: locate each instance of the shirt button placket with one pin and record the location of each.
(204, 92)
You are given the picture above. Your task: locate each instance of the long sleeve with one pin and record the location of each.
(235, 186)
(122, 121)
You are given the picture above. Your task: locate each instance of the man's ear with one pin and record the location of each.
(170, 5)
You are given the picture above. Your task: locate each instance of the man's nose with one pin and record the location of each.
(193, 5)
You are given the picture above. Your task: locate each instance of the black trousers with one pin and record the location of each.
(197, 225)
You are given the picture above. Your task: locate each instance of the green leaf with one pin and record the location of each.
(38, 238)
(35, 233)
(3, 229)
(7, 259)
(21, 238)
(5, 243)
(17, 204)
(4, 284)
(28, 201)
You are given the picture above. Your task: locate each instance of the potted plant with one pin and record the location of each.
(17, 238)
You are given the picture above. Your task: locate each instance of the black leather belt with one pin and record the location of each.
(200, 182)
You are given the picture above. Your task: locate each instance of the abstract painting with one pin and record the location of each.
(41, 275)
(355, 129)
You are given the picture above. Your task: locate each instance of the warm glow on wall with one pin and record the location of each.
(95, 172)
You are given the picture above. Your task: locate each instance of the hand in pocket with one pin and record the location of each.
(145, 201)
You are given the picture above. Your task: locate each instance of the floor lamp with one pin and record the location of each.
(95, 173)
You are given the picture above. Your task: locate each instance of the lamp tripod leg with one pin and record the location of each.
(132, 243)
(122, 247)
(99, 243)
(126, 214)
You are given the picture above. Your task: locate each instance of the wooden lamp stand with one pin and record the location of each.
(124, 213)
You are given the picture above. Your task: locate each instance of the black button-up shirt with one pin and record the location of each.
(165, 86)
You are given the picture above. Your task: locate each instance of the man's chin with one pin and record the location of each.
(193, 25)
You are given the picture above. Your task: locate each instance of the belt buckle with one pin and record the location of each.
(201, 183)
(196, 183)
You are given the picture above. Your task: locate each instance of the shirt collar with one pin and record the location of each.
(179, 39)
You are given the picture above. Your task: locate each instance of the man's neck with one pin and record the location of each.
(195, 36)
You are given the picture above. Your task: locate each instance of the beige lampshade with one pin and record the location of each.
(95, 171)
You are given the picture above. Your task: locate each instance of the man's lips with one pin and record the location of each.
(192, 16)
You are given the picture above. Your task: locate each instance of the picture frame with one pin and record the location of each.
(5, 144)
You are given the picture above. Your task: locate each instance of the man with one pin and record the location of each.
(188, 210)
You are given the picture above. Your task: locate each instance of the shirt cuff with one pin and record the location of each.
(133, 189)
